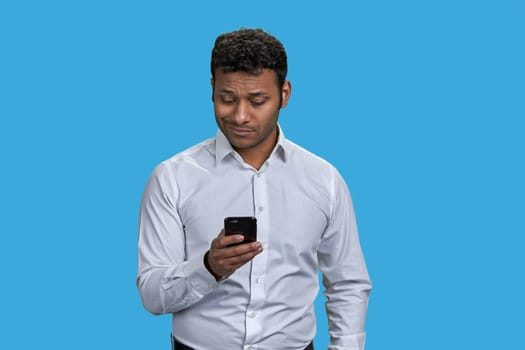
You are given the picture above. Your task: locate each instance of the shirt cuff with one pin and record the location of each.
(350, 342)
(201, 280)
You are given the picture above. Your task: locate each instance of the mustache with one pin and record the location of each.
(238, 126)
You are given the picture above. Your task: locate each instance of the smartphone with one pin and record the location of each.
(241, 225)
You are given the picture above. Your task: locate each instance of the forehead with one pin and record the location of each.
(266, 80)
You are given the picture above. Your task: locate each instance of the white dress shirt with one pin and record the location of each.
(305, 222)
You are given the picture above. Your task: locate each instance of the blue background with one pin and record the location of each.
(420, 105)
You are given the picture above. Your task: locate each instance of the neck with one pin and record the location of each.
(257, 155)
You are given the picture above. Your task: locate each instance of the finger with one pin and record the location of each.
(235, 255)
(226, 241)
(234, 263)
(217, 242)
(240, 249)
(240, 253)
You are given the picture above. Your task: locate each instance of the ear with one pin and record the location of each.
(212, 87)
(286, 93)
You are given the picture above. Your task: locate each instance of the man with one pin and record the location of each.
(256, 295)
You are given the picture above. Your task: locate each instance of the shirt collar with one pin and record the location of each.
(224, 148)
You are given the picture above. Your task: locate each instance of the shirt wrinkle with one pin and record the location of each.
(305, 222)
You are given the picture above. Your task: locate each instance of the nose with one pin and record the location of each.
(241, 113)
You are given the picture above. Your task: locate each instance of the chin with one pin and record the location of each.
(240, 145)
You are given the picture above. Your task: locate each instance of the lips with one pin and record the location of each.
(241, 132)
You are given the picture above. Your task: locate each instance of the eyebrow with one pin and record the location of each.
(258, 93)
(251, 94)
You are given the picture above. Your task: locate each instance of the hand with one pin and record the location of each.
(222, 260)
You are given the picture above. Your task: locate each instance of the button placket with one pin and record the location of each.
(254, 317)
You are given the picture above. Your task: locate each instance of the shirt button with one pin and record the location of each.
(252, 314)
(258, 174)
(260, 208)
(258, 280)
(249, 347)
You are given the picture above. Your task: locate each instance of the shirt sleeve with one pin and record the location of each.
(345, 276)
(166, 281)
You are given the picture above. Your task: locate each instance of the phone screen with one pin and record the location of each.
(241, 225)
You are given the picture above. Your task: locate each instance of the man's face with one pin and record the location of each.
(247, 108)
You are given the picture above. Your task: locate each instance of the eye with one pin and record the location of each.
(257, 103)
(227, 99)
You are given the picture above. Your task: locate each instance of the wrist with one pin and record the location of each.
(208, 267)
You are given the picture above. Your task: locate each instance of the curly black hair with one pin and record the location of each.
(249, 50)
